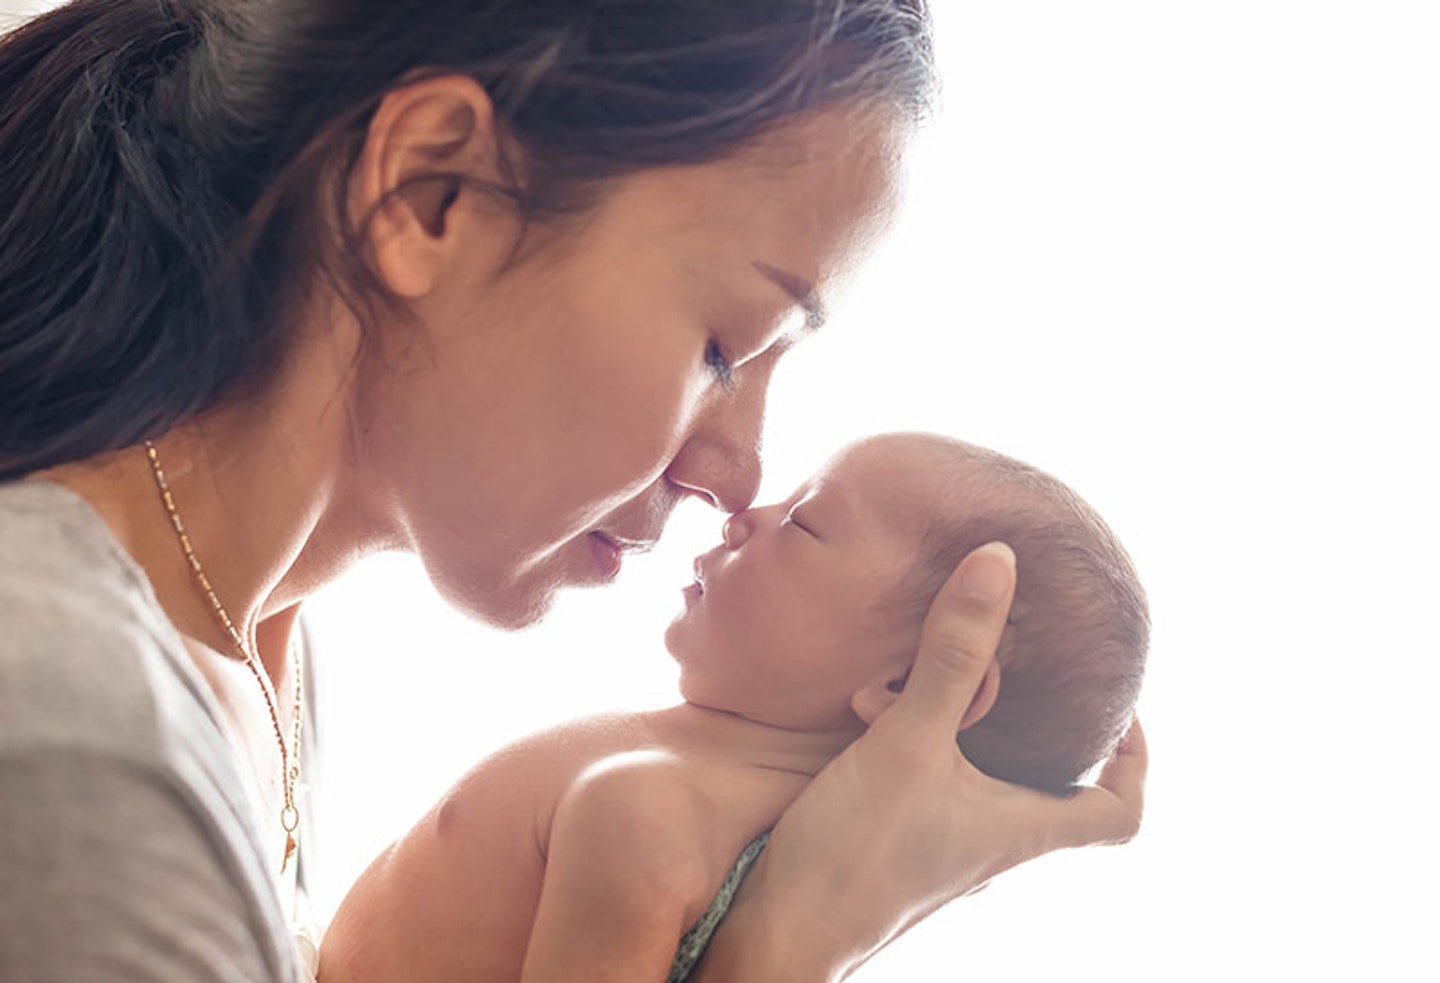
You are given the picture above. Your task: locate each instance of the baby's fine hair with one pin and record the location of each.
(1073, 655)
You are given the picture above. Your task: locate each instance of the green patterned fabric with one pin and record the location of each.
(692, 945)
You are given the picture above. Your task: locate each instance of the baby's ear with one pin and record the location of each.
(873, 700)
(984, 698)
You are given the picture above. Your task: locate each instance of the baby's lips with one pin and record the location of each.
(702, 574)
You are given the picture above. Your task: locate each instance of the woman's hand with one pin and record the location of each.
(900, 823)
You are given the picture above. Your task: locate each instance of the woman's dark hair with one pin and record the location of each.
(164, 162)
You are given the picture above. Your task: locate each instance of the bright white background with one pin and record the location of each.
(1185, 256)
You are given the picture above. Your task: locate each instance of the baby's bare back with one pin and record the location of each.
(455, 898)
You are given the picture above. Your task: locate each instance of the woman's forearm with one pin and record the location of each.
(758, 943)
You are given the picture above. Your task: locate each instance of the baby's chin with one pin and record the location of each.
(675, 645)
(686, 642)
(674, 638)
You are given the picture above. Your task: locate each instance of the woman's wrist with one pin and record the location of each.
(765, 939)
(757, 952)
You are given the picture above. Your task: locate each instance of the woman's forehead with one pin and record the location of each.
(801, 212)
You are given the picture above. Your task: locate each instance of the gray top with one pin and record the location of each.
(130, 846)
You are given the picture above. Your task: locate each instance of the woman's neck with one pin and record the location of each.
(259, 487)
(247, 524)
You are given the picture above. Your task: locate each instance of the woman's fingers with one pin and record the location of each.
(1123, 777)
(900, 822)
(1111, 810)
(1124, 773)
(957, 644)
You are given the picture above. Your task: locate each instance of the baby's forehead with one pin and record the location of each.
(910, 456)
(902, 478)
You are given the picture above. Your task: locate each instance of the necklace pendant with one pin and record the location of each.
(289, 851)
(289, 770)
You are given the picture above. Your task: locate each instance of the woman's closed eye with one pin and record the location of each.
(719, 364)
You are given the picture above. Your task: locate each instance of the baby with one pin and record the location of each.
(588, 851)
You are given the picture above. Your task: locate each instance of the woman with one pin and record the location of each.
(285, 283)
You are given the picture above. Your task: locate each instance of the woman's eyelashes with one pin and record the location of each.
(719, 365)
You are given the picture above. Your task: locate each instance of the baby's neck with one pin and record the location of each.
(744, 742)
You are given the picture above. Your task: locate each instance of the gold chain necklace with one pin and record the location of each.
(289, 756)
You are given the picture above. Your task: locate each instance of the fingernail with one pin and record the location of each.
(987, 572)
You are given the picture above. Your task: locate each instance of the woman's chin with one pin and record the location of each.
(513, 601)
(507, 606)
(519, 617)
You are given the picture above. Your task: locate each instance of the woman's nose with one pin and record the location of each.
(720, 460)
(725, 476)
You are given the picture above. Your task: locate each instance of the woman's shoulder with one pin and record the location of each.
(88, 661)
(118, 778)
(59, 563)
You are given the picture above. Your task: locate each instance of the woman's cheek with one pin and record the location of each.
(662, 424)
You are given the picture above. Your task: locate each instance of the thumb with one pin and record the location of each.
(958, 641)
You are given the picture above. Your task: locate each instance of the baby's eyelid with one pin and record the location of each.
(791, 520)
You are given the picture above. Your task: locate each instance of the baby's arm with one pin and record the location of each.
(625, 875)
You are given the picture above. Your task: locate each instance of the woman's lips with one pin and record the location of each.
(608, 556)
(609, 550)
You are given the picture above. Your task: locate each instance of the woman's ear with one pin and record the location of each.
(871, 701)
(444, 124)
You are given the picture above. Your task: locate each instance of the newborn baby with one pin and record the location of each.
(604, 846)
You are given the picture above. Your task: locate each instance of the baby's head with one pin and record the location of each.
(814, 604)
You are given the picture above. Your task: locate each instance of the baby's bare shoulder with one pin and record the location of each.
(639, 782)
(538, 768)
(648, 815)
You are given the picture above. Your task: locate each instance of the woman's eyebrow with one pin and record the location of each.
(801, 290)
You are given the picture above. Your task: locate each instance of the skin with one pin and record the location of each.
(530, 420)
(594, 845)
(782, 625)
(572, 398)
(585, 851)
(848, 836)
(526, 421)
